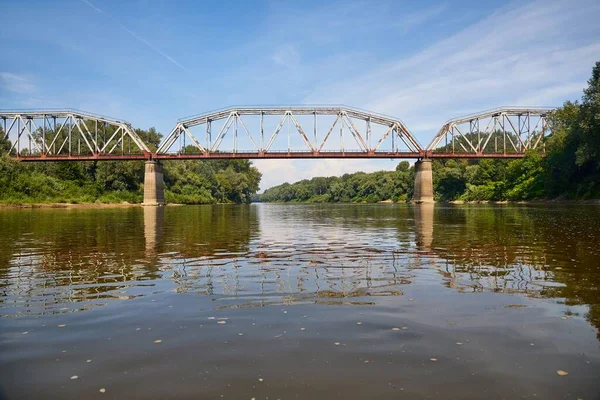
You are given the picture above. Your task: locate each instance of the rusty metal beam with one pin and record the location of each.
(39, 141)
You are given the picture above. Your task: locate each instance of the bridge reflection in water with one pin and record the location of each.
(258, 255)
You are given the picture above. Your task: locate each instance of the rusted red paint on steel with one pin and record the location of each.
(111, 157)
(280, 155)
(267, 155)
(475, 156)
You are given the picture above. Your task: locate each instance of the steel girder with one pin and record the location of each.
(69, 134)
(501, 132)
(344, 118)
(56, 135)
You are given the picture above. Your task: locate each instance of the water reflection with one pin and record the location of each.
(154, 222)
(64, 260)
(424, 226)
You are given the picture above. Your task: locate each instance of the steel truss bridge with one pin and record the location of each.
(271, 132)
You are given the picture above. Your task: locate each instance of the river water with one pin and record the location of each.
(300, 301)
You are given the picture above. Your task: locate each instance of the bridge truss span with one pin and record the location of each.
(57, 135)
(271, 132)
(289, 132)
(507, 132)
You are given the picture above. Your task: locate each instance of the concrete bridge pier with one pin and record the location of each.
(154, 186)
(423, 190)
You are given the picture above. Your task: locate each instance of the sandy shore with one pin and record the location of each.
(71, 205)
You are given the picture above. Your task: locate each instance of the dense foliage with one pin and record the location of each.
(358, 187)
(190, 182)
(570, 169)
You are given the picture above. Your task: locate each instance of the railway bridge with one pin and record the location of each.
(296, 132)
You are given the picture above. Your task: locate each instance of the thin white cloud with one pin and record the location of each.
(557, 93)
(276, 172)
(135, 35)
(536, 54)
(544, 56)
(412, 20)
(286, 56)
(16, 83)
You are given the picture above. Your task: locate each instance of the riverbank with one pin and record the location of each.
(555, 201)
(71, 205)
(126, 204)
(96, 205)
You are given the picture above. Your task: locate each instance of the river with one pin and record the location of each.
(300, 301)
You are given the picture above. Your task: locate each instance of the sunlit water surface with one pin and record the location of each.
(300, 301)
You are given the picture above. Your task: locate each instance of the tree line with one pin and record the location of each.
(359, 187)
(186, 182)
(570, 169)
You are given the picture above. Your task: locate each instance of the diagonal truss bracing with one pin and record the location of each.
(508, 131)
(69, 134)
(259, 132)
(359, 124)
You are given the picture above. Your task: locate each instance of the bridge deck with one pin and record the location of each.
(259, 133)
(256, 155)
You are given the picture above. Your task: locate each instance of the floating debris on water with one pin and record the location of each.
(459, 343)
(221, 322)
(88, 361)
(25, 333)
(302, 329)
(74, 377)
(211, 317)
(433, 359)
(395, 329)
(337, 343)
(158, 341)
(562, 373)
(102, 390)
(62, 325)
(260, 379)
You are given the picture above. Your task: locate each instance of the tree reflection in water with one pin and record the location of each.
(256, 255)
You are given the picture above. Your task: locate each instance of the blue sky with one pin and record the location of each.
(151, 61)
